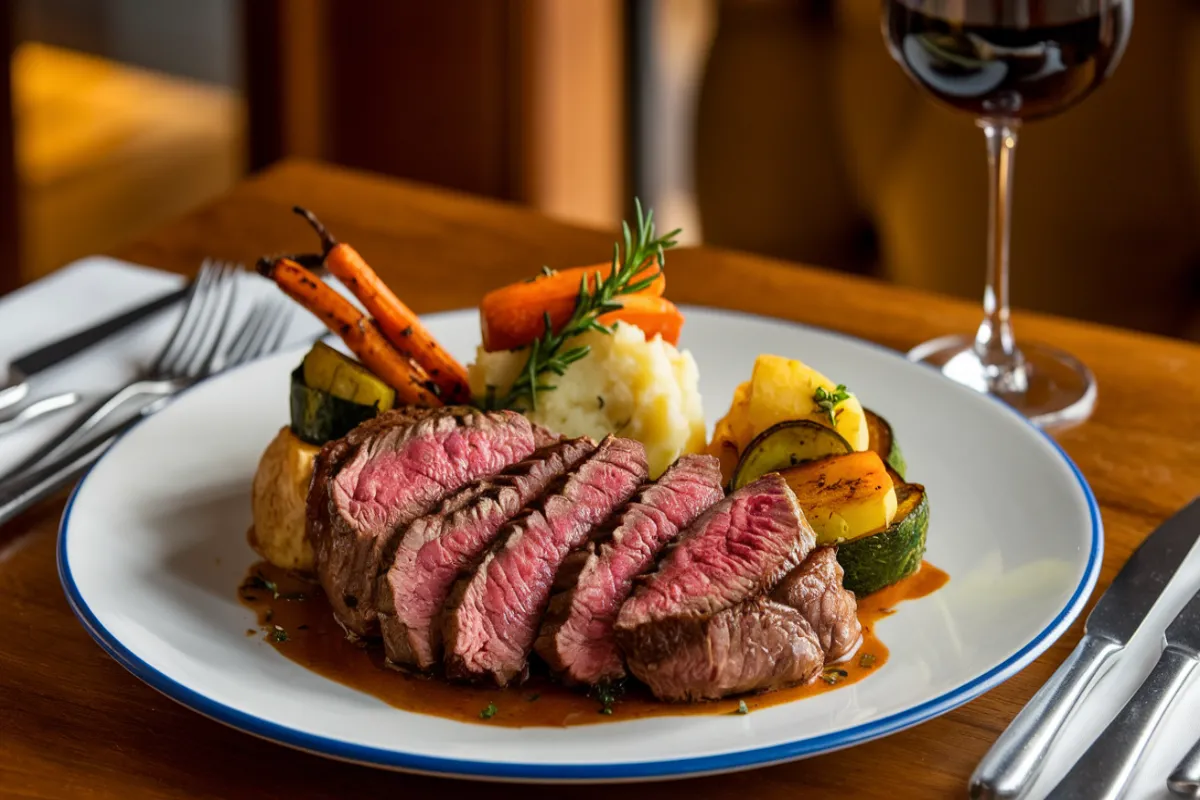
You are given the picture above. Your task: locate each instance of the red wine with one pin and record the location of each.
(1014, 60)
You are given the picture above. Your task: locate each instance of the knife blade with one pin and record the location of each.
(1017, 756)
(25, 366)
(1104, 770)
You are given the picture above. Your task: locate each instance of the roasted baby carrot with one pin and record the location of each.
(654, 315)
(359, 332)
(396, 320)
(514, 315)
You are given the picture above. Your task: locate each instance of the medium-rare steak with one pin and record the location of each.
(393, 475)
(815, 590)
(435, 548)
(492, 617)
(576, 638)
(755, 645)
(706, 600)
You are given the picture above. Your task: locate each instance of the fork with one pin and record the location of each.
(261, 333)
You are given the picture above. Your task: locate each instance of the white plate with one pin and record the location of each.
(153, 547)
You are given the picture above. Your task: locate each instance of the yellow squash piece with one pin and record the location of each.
(783, 388)
(844, 497)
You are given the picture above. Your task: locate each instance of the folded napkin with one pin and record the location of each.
(83, 294)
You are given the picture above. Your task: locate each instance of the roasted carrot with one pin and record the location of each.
(359, 332)
(396, 320)
(654, 315)
(514, 315)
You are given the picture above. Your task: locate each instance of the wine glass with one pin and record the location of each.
(1008, 62)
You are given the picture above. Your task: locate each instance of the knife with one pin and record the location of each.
(1185, 778)
(1016, 758)
(1103, 772)
(26, 366)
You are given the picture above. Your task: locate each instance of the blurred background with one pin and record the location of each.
(780, 127)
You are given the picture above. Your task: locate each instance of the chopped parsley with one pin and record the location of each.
(833, 675)
(279, 634)
(608, 693)
(866, 660)
(742, 708)
(827, 402)
(488, 712)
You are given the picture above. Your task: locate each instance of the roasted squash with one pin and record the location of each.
(874, 562)
(882, 440)
(787, 444)
(844, 497)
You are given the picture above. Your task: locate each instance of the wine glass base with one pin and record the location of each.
(1058, 388)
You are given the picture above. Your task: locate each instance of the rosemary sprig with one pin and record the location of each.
(597, 296)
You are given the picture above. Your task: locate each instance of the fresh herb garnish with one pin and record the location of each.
(833, 675)
(866, 660)
(488, 712)
(279, 634)
(742, 708)
(259, 581)
(597, 296)
(608, 693)
(827, 402)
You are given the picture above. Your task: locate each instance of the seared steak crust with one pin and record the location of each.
(435, 548)
(492, 616)
(815, 590)
(576, 637)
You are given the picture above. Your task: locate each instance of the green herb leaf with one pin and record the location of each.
(827, 402)
(866, 660)
(596, 297)
(608, 693)
(279, 634)
(488, 712)
(742, 708)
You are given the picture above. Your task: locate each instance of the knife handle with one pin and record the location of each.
(1185, 778)
(1103, 772)
(1016, 757)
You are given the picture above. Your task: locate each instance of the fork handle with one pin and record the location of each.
(19, 493)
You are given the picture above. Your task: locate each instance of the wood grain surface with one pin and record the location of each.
(73, 723)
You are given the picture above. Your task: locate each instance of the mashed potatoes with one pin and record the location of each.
(645, 390)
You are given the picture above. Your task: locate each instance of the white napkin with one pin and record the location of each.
(96, 288)
(83, 294)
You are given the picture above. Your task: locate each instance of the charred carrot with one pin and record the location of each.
(361, 335)
(396, 320)
(514, 315)
(656, 316)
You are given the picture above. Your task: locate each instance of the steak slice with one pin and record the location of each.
(437, 547)
(492, 617)
(576, 638)
(815, 590)
(700, 626)
(756, 645)
(394, 475)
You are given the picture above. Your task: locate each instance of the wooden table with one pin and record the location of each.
(74, 723)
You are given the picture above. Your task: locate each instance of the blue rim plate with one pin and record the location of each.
(150, 559)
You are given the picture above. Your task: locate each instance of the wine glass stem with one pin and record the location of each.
(994, 342)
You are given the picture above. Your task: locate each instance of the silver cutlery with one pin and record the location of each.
(1103, 772)
(262, 333)
(23, 370)
(190, 353)
(1016, 758)
(37, 408)
(1185, 778)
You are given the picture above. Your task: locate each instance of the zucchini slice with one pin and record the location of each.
(786, 444)
(874, 562)
(344, 378)
(883, 441)
(318, 416)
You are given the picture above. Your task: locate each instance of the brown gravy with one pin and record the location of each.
(296, 620)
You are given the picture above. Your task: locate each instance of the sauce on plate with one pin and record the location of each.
(295, 618)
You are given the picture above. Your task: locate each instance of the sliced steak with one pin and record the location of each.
(815, 590)
(492, 616)
(576, 638)
(395, 474)
(435, 548)
(700, 626)
(757, 644)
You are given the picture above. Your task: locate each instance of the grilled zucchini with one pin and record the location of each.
(874, 562)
